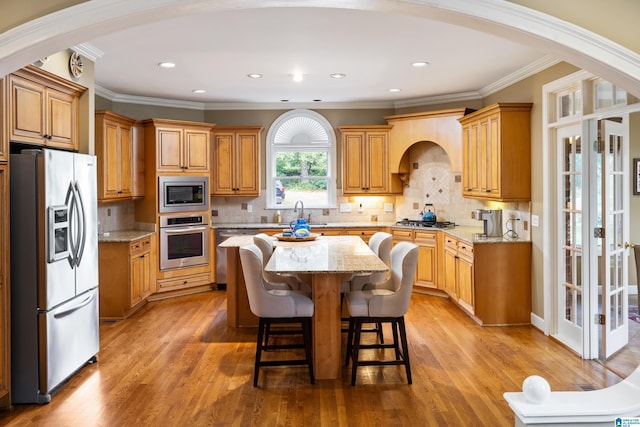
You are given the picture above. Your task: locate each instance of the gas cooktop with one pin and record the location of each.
(425, 224)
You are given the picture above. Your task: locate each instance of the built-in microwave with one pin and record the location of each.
(183, 194)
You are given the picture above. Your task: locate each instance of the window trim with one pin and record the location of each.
(272, 148)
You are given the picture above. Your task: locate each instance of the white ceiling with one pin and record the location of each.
(215, 51)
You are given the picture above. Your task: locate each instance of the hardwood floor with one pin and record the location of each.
(176, 362)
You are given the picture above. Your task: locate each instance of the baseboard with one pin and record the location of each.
(538, 322)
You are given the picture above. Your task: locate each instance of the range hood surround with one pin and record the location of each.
(440, 127)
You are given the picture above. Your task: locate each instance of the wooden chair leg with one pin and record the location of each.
(396, 341)
(349, 342)
(306, 328)
(356, 350)
(405, 348)
(256, 368)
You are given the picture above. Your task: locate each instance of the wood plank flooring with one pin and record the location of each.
(176, 363)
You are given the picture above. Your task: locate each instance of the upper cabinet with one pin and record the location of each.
(496, 153)
(42, 109)
(236, 161)
(180, 147)
(365, 161)
(114, 149)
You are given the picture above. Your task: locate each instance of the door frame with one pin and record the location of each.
(549, 323)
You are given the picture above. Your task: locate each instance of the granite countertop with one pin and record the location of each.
(468, 234)
(326, 254)
(123, 236)
(312, 225)
(463, 232)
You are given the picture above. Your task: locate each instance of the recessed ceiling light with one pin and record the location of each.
(298, 77)
(317, 100)
(198, 91)
(166, 65)
(337, 76)
(419, 64)
(254, 75)
(394, 90)
(284, 100)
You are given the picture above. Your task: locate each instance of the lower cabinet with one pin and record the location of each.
(490, 281)
(127, 276)
(427, 278)
(426, 272)
(458, 272)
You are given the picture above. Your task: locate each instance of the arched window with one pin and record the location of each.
(301, 161)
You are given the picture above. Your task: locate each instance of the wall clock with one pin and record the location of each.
(75, 64)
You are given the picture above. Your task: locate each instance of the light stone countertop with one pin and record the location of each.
(326, 254)
(123, 236)
(312, 225)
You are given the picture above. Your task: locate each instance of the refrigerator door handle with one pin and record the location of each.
(73, 211)
(63, 311)
(82, 229)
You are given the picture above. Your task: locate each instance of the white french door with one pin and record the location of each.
(570, 295)
(611, 234)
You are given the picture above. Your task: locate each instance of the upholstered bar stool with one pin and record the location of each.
(265, 243)
(386, 303)
(275, 307)
(380, 243)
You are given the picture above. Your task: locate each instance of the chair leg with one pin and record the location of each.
(306, 328)
(405, 348)
(349, 342)
(380, 334)
(256, 369)
(356, 350)
(396, 342)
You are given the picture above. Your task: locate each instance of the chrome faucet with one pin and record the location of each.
(295, 208)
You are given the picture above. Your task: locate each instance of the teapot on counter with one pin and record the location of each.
(427, 214)
(299, 224)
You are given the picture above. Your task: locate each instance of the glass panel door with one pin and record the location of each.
(570, 278)
(612, 203)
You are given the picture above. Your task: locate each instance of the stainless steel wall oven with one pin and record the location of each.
(184, 241)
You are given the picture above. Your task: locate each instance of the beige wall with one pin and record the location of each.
(16, 12)
(614, 19)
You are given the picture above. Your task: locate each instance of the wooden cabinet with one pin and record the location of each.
(5, 338)
(179, 146)
(365, 161)
(490, 281)
(426, 272)
(114, 149)
(42, 109)
(127, 276)
(364, 233)
(458, 272)
(496, 153)
(236, 160)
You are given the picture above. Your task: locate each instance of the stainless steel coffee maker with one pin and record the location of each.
(492, 219)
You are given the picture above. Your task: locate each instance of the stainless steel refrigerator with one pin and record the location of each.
(54, 270)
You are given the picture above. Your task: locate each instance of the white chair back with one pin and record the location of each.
(380, 243)
(404, 260)
(263, 303)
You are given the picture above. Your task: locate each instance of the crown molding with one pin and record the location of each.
(88, 51)
(439, 99)
(532, 69)
(146, 100)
